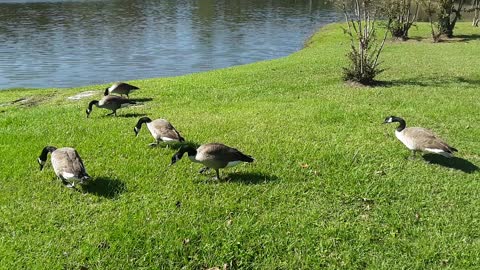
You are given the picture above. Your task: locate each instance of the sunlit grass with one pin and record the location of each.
(331, 187)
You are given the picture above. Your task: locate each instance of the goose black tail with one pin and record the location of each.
(246, 158)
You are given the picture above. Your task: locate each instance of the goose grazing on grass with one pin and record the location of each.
(67, 164)
(160, 129)
(112, 103)
(120, 88)
(420, 139)
(213, 155)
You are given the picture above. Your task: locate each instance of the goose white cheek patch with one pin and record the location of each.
(41, 161)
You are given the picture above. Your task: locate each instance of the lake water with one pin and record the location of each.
(73, 43)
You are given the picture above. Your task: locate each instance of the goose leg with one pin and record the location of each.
(66, 184)
(204, 169)
(413, 155)
(218, 175)
(153, 144)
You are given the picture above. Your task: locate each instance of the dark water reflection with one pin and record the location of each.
(72, 43)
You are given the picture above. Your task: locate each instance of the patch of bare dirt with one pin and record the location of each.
(83, 95)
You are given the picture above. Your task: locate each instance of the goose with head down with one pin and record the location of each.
(160, 129)
(66, 163)
(213, 155)
(112, 103)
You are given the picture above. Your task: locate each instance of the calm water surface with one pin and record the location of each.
(72, 43)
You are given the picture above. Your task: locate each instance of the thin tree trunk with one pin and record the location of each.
(476, 7)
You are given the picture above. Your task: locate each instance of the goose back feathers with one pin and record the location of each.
(120, 88)
(213, 155)
(161, 129)
(112, 103)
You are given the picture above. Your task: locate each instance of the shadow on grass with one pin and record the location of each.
(129, 115)
(175, 145)
(461, 38)
(105, 187)
(430, 82)
(141, 99)
(250, 178)
(453, 163)
(455, 38)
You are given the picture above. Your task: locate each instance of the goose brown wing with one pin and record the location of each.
(225, 153)
(123, 88)
(67, 160)
(166, 129)
(114, 102)
(427, 139)
(76, 163)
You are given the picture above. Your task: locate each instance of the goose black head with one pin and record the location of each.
(43, 156)
(139, 124)
(400, 120)
(106, 92)
(90, 107)
(184, 149)
(41, 162)
(392, 119)
(176, 157)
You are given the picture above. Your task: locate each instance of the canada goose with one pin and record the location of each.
(213, 155)
(111, 103)
(160, 129)
(420, 139)
(120, 88)
(67, 164)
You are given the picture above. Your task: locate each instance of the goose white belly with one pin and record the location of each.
(408, 142)
(233, 163)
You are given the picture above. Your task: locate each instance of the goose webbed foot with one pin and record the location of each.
(112, 113)
(68, 185)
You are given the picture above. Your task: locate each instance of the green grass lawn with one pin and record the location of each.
(331, 187)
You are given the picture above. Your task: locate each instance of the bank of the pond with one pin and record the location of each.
(330, 188)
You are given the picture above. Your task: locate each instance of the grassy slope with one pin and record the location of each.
(337, 212)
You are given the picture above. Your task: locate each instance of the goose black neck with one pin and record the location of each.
(45, 151)
(143, 120)
(401, 122)
(90, 105)
(189, 150)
